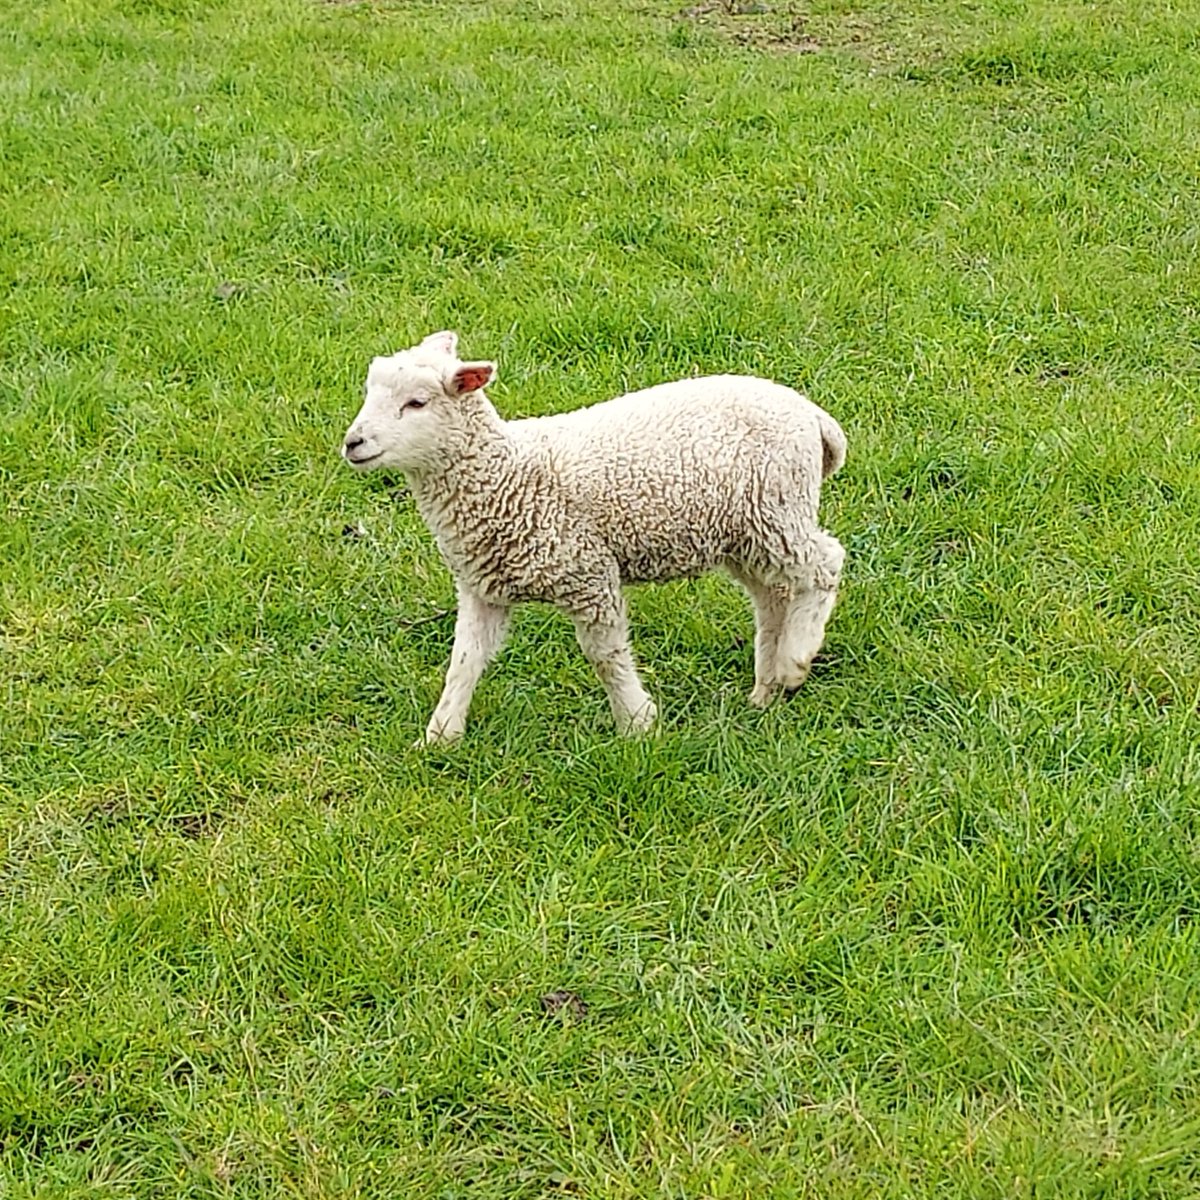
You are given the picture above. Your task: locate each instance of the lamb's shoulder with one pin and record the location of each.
(517, 533)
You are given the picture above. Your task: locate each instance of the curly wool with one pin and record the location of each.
(659, 484)
(665, 483)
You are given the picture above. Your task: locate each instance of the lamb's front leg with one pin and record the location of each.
(478, 634)
(604, 640)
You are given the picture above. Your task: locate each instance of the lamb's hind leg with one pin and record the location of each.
(770, 612)
(813, 595)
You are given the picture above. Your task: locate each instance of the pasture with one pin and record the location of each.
(928, 928)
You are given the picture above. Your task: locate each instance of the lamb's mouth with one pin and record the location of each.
(363, 462)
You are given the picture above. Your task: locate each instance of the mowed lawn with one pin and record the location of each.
(928, 928)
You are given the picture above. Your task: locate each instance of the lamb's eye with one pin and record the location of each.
(416, 403)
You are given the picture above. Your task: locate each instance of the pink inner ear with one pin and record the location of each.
(472, 376)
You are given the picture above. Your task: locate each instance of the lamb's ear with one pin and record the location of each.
(470, 377)
(445, 342)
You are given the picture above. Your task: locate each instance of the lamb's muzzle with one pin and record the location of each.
(359, 451)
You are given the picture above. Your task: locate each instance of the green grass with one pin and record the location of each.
(928, 929)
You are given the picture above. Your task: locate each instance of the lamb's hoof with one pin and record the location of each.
(794, 676)
(763, 694)
(437, 736)
(637, 723)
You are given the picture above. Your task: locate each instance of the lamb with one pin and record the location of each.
(665, 483)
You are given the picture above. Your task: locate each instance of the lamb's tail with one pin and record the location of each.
(833, 444)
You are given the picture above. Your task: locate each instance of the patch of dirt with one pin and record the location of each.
(884, 36)
(194, 825)
(774, 27)
(564, 1003)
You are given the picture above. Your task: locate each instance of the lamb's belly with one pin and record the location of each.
(670, 519)
(688, 554)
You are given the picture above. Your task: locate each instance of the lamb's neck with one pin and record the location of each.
(463, 487)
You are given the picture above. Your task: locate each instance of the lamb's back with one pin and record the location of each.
(670, 475)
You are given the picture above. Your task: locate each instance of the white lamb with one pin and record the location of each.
(664, 483)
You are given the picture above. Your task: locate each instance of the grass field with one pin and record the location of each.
(930, 928)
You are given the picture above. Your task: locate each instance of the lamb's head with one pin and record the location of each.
(419, 408)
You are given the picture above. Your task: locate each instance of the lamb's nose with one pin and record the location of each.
(353, 443)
